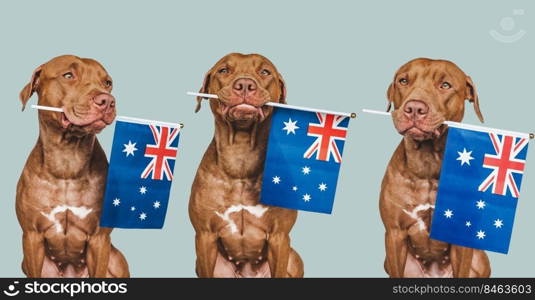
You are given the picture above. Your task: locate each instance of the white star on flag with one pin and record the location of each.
(276, 180)
(481, 234)
(322, 186)
(142, 190)
(448, 213)
(156, 204)
(498, 223)
(465, 157)
(142, 216)
(116, 202)
(480, 204)
(294, 188)
(306, 170)
(132, 208)
(290, 126)
(129, 148)
(468, 224)
(306, 197)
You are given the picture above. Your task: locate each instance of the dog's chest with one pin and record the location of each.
(418, 203)
(68, 205)
(242, 230)
(238, 218)
(67, 214)
(241, 221)
(416, 216)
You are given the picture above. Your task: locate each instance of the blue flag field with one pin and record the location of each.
(140, 174)
(479, 187)
(303, 159)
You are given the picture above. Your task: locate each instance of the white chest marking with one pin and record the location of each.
(257, 211)
(414, 214)
(79, 211)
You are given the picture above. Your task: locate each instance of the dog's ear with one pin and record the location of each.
(282, 97)
(31, 87)
(471, 95)
(390, 96)
(204, 89)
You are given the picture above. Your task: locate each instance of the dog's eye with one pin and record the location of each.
(223, 71)
(445, 85)
(403, 81)
(108, 83)
(68, 75)
(265, 72)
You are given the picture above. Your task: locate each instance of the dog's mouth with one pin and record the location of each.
(245, 108)
(242, 112)
(420, 134)
(419, 131)
(91, 122)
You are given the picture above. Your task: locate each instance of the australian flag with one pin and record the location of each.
(140, 174)
(479, 187)
(303, 159)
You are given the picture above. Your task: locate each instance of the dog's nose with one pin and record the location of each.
(104, 101)
(244, 87)
(415, 109)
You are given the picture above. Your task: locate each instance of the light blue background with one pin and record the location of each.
(337, 55)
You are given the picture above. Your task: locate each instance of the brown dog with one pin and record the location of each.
(235, 235)
(425, 93)
(59, 194)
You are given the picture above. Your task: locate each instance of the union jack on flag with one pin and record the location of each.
(503, 164)
(160, 153)
(326, 132)
(143, 157)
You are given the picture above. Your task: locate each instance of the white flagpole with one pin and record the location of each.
(274, 104)
(129, 119)
(487, 129)
(42, 107)
(465, 126)
(145, 121)
(377, 112)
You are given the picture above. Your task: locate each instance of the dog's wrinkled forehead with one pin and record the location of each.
(431, 69)
(243, 63)
(83, 66)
